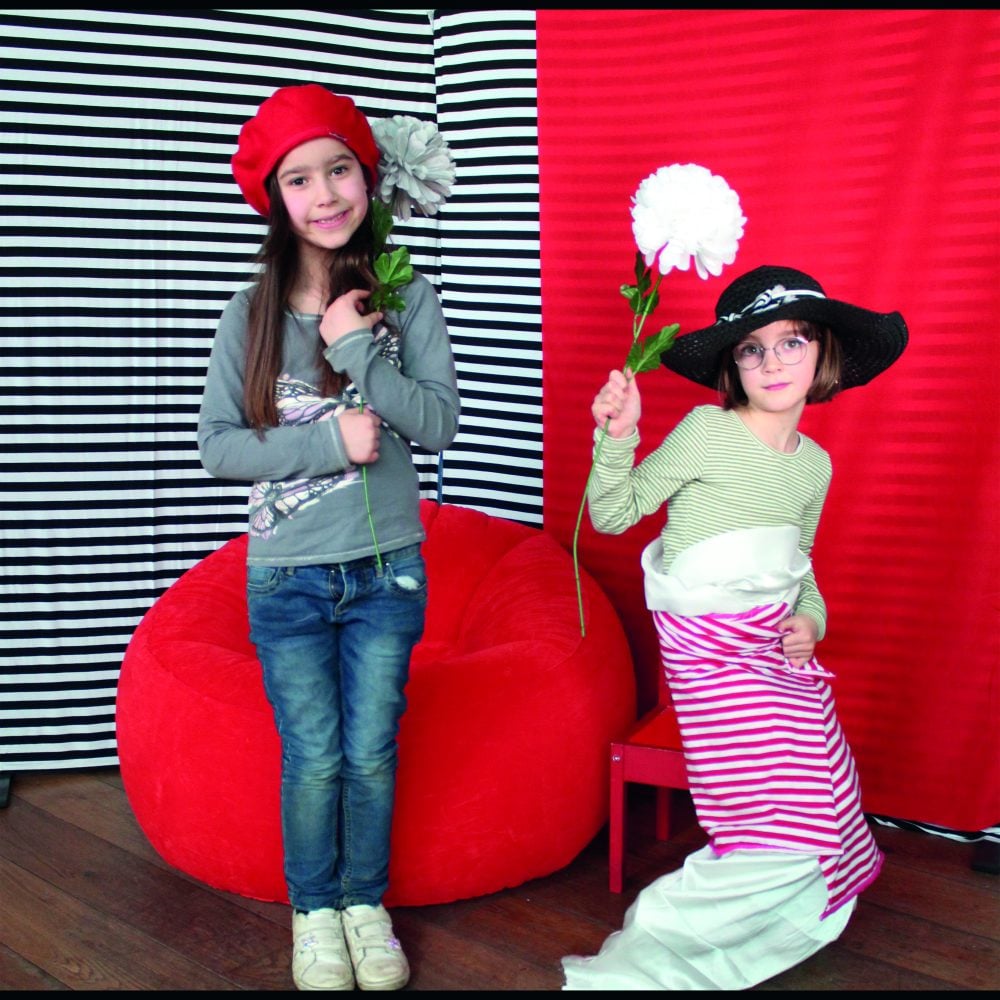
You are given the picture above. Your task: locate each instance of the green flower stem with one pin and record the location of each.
(371, 521)
(368, 506)
(649, 303)
(579, 519)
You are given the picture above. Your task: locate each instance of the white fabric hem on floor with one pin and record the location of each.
(718, 923)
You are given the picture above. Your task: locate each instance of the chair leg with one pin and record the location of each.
(616, 823)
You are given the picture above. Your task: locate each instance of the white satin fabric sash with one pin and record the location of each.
(727, 573)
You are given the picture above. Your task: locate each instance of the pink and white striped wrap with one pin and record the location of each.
(768, 764)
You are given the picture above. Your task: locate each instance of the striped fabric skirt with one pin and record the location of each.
(768, 764)
(775, 788)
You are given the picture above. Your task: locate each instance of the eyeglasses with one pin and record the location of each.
(750, 355)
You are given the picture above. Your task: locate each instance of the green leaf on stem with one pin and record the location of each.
(649, 303)
(645, 354)
(634, 297)
(393, 270)
(641, 302)
(382, 223)
(643, 278)
(643, 297)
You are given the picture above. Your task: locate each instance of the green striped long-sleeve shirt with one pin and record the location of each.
(715, 475)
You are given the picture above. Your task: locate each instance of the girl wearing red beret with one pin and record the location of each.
(315, 398)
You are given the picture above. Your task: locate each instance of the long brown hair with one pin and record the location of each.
(278, 262)
(826, 381)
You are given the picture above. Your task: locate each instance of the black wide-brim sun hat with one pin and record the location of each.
(870, 341)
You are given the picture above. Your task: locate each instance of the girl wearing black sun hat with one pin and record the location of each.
(869, 341)
(738, 613)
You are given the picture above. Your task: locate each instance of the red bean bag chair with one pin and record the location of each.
(503, 749)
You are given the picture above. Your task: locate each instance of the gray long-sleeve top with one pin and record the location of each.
(307, 505)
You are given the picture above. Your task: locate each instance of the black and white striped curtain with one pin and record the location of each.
(123, 235)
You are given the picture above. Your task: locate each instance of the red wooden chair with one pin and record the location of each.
(649, 753)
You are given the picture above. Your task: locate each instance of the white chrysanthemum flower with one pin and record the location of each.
(684, 212)
(415, 168)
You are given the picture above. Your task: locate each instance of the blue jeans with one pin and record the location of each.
(335, 643)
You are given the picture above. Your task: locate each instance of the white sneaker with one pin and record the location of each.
(319, 954)
(377, 955)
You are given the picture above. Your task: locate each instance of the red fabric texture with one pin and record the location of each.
(864, 148)
(503, 747)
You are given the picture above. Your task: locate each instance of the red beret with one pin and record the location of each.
(286, 119)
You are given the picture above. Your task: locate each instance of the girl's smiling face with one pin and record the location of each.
(323, 187)
(777, 386)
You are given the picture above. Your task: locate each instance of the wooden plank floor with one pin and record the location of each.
(87, 904)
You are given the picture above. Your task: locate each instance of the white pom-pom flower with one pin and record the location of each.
(684, 212)
(416, 170)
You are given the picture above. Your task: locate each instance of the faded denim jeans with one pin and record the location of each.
(335, 643)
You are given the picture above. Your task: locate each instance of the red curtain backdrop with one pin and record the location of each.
(864, 148)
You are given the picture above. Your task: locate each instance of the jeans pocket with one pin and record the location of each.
(407, 576)
(262, 580)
